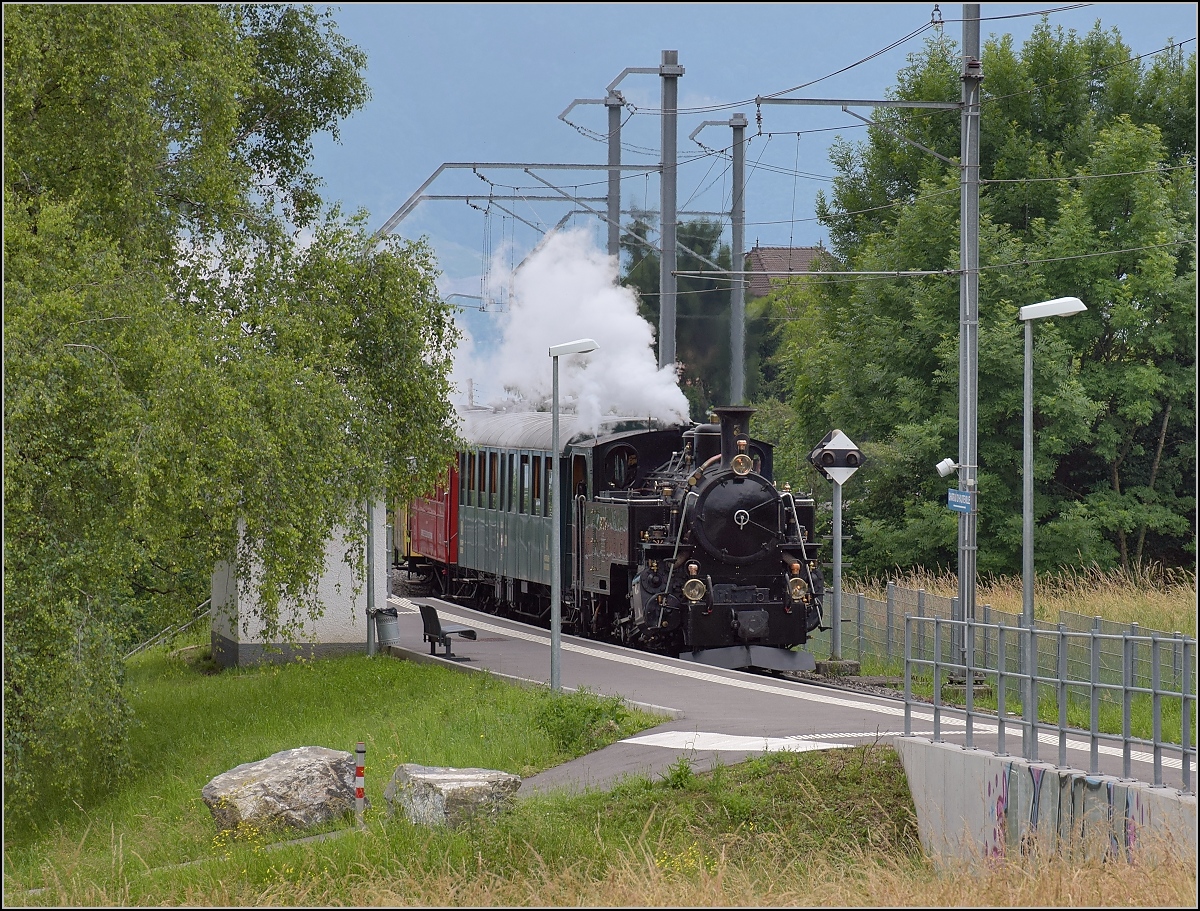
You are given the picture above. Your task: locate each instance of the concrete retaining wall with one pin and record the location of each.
(237, 633)
(974, 805)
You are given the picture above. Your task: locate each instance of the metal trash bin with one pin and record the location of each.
(387, 626)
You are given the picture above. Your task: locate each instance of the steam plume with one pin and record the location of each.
(564, 291)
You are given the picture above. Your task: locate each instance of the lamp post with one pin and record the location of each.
(579, 346)
(1060, 306)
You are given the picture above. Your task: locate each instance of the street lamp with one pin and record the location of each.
(579, 346)
(1060, 306)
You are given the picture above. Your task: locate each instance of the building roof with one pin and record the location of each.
(761, 261)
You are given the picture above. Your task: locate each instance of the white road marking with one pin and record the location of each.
(705, 740)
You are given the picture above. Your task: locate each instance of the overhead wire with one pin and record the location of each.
(935, 22)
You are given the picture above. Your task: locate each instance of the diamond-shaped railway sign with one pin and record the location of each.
(836, 457)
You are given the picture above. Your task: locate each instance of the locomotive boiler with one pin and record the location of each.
(673, 539)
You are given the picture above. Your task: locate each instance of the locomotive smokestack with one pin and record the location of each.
(735, 425)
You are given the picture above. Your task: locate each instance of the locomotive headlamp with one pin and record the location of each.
(741, 464)
(694, 589)
(797, 588)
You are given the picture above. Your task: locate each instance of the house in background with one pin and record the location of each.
(772, 265)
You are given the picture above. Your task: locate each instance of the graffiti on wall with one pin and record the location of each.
(1061, 810)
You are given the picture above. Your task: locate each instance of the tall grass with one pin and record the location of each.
(832, 828)
(1154, 596)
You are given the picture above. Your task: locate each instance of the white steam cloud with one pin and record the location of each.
(568, 290)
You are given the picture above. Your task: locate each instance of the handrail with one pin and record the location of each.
(172, 630)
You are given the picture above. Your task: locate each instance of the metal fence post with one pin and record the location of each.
(862, 611)
(908, 676)
(1063, 695)
(1094, 720)
(920, 626)
(1135, 630)
(1176, 666)
(1031, 693)
(937, 680)
(1001, 686)
(969, 660)
(956, 633)
(1126, 705)
(1156, 705)
(891, 610)
(987, 622)
(1187, 701)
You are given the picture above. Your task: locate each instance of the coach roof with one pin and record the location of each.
(534, 430)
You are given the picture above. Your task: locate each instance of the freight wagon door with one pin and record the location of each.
(435, 523)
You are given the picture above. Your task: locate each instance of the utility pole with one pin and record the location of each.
(968, 306)
(613, 102)
(737, 297)
(737, 275)
(670, 71)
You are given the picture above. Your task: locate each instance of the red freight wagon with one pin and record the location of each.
(433, 523)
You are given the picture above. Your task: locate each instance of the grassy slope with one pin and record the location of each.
(830, 828)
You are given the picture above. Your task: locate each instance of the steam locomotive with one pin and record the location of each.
(674, 539)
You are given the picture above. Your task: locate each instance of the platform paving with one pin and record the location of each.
(710, 715)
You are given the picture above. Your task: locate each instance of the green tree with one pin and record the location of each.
(1087, 189)
(176, 360)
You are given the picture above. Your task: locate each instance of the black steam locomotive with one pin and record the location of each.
(673, 539)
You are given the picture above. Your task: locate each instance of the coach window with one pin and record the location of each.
(549, 484)
(493, 478)
(523, 503)
(472, 481)
(536, 487)
(462, 477)
(511, 486)
(499, 482)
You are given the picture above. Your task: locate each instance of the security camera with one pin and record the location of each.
(946, 467)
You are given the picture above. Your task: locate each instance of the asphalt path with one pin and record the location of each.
(710, 715)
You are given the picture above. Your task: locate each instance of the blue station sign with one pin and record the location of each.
(960, 500)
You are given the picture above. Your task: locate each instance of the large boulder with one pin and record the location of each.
(438, 796)
(300, 788)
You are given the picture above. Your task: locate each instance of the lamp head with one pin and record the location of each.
(947, 467)
(579, 346)
(1060, 306)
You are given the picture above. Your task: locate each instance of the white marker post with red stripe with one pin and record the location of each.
(359, 790)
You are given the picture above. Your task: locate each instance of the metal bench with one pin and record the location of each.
(438, 632)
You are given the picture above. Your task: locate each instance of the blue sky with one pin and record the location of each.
(487, 83)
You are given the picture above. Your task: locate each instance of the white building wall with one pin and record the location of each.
(237, 633)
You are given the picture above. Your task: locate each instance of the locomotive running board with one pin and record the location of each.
(738, 656)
